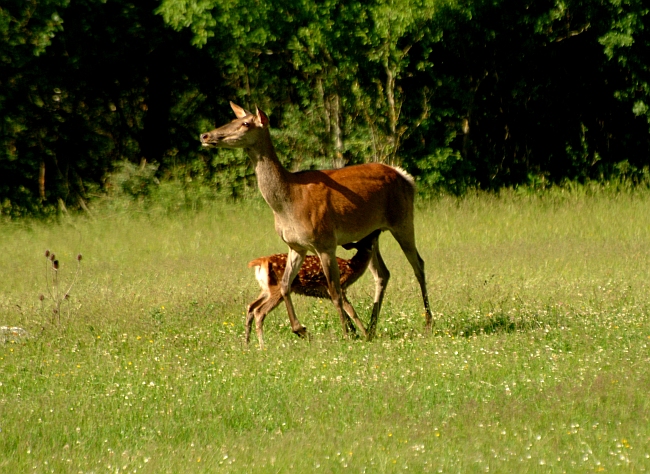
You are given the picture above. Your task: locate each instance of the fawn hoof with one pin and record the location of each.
(351, 336)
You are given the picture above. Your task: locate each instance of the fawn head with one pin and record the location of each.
(367, 244)
(242, 132)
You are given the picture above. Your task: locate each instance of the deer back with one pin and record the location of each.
(349, 203)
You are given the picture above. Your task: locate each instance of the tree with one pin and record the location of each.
(628, 44)
(113, 84)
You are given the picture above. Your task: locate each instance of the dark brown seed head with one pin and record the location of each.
(47, 253)
(52, 256)
(79, 257)
(41, 297)
(55, 264)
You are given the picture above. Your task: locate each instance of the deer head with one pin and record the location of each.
(240, 133)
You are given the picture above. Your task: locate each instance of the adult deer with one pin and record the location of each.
(310, 281)
(318, 210)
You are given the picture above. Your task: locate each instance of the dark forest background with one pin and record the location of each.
(97, 95)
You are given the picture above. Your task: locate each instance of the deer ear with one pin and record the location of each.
(262, 118)
(239, 112)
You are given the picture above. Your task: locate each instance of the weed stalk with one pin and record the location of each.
(52, 283)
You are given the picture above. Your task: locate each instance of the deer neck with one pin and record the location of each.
(272, 177)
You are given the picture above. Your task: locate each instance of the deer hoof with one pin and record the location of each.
(301, 332)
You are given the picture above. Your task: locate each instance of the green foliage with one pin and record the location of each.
(626, 42)
(27, 29)
(485, 94)
(113, 84)
(134, 181)
(232, 174)
(437, 171)
(301, 141)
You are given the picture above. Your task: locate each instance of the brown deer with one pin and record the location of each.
(310, 281)
(318, 210)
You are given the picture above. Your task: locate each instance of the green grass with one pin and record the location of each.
(539, 361)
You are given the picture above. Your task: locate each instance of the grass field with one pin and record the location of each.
(539, 361)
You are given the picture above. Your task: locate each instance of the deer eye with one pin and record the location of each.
(246, 124)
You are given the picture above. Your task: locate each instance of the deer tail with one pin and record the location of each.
(258, 262)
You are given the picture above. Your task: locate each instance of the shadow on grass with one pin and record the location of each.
(496, 324)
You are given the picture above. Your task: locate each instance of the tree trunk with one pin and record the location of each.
(154, 140)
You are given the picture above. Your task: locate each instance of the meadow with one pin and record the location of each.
(539, 360)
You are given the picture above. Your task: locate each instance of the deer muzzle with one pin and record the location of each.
(208, 140)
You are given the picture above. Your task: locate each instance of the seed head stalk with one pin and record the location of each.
(52, 283)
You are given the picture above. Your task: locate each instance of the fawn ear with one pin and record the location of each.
(262, 118)
(239, 112)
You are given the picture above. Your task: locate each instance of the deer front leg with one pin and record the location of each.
(294, 261)
(333, 276)
(381, 275)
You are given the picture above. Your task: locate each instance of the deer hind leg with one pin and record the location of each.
(381, 275)
(294, 262)
(407, 243)
(333, 276)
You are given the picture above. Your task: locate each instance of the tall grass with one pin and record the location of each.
(539, 361)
